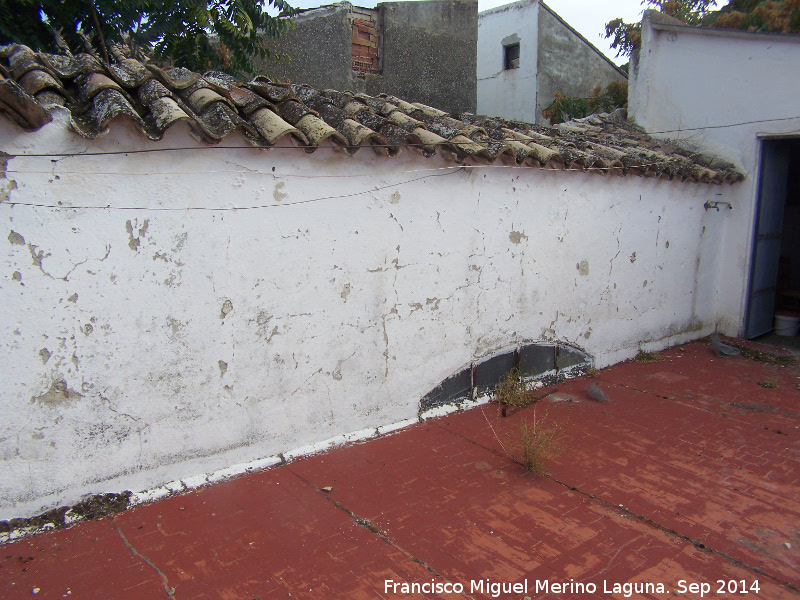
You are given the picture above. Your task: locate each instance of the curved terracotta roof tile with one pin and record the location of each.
(357, 135)
(269, 113)
(21, 107)
(164, 112)
(293, 110)
(69, 67)
(427, 141)
(91, 84)
(106, 105)
(36, 80)
(401, 119)
(274, 92)
(22, 61)
(129, 73)
(201, 98)
(317, 131)
(176, 78)
(272, 128)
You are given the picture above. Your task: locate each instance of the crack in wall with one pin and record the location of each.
(169, 590)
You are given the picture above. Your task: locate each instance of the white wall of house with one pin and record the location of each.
(721, 92)
(508, 93)
(172, 331)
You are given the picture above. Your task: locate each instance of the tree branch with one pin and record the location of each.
(100, 33)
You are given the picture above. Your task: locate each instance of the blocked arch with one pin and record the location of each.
(546, 361)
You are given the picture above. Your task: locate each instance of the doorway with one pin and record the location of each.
(775, 272)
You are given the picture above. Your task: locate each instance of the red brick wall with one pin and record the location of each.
(365, 47)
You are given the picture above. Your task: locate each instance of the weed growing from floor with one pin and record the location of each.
(592, 372)
(647, 357)
(537, 444)
(514, 390)
(769, 358)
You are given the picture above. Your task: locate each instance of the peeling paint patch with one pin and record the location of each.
(395, 197)
(15, 238)
(180, 240)
(134, 242)
(37, 257)
(515, 237)
(87, 329)
(16, 276)
(434, 301)
(273, 334)
(223, 367)
(227, 307)
(73, 298)
(583, 267)
(45, 355)
(278, 193)
(345, 292)
(633, 258)
(5, 191)
(59, 393)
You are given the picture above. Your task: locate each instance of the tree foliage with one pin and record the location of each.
(778, 16)
(196, 34)
(781, 16)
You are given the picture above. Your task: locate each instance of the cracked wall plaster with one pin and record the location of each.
(302, 322)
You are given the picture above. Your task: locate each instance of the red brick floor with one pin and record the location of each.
(690, 471)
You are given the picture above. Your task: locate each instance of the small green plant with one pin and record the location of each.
(538, 443)
(565, 108)
(592, 372)
(514, 390)
(647, 357)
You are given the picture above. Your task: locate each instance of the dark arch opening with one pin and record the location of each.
(547, 362)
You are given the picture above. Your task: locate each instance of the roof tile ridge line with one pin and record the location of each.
(591, 45)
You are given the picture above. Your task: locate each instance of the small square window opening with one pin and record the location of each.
(511, 57)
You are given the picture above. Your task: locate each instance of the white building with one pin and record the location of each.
(176, 301)
(527, 53)
(734, 94)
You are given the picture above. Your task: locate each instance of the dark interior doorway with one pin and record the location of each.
(775, 271)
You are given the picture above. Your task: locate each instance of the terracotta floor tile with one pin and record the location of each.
(688, 472)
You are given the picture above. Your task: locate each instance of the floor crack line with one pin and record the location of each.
(169, 590)
(372, 528)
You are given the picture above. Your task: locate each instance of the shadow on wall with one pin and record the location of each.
(549, 363)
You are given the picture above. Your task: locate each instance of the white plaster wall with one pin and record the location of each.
(720, 92)
(356, 287)
(508, 93)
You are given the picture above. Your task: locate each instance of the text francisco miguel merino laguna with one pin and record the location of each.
(544, 586)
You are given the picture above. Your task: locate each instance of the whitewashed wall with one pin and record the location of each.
(168, 335)
(721, 92)
(508, 93)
